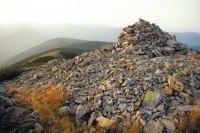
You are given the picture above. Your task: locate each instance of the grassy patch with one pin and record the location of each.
(47, 101)
(190, 123)
(10, 73)
(135, 127)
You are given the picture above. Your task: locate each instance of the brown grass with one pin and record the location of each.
(47, 101)
(23, 96)
(134, 128)
(190, 123)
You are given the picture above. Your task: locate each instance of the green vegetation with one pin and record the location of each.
(10, 72)
(68, 52)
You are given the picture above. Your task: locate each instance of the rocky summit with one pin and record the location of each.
(146, 76)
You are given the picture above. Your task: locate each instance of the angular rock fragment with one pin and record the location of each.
(151, 99)
(80, 112)
(105, 122)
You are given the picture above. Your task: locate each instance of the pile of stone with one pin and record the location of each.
(146, 76)
(145, 38)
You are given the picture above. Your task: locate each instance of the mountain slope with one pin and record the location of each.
(20, 40)
(190, 38)
(80, 31)
(145, 82)
(58, 44)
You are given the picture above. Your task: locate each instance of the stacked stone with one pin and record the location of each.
(145, 38)
(126, 81)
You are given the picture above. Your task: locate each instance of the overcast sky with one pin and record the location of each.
(170, 15)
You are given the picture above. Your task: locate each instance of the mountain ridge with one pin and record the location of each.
(146, 81)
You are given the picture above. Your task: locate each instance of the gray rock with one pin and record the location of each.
(170, 127)
(64, 111)
(80, 100)
(6, 101)
(151, 99)
(80, 112)
(122, 106)
(171, 42)
(3, 92)
(128, 82)
(92, 118)
(153, 127)
(2, 110)
(98, 97)
(38, 128)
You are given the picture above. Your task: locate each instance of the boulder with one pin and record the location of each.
(105, 122)
(151, 99)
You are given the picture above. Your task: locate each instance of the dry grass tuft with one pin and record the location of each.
(23, 96)
(134, 128)
(190, 123)
(47, 101)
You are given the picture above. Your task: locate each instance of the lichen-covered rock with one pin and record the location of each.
(151, 99)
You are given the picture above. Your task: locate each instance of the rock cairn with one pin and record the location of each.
(146, 76)
(144, 38)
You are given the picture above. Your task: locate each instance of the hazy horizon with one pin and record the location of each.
(171, 16)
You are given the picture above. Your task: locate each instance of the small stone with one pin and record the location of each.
(128, 82)
(149, 54)
(183, 95)
(169, 125)
(102, 87)
(171, 42)
(38, 128)
(153, 127)
(168, 91)
(167, 65)
(185, 71)
(80, 112)
(92, 118)
(80, 100)
(122, 107)
(137, 104)
(64, 111)
(158, 72)
(98, 97)
(142, 122)
(3, 92)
